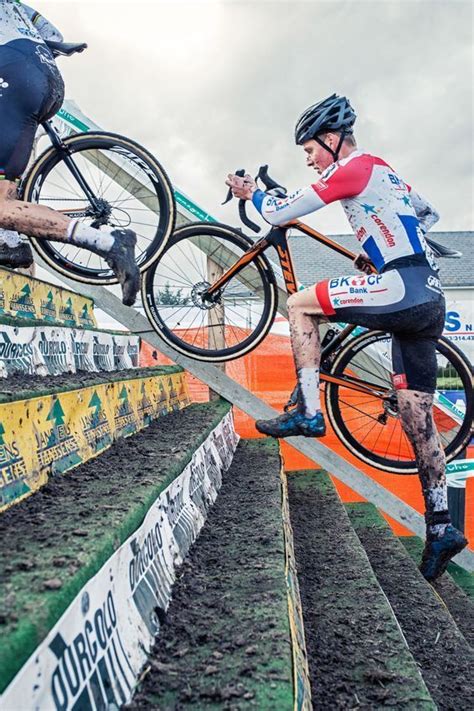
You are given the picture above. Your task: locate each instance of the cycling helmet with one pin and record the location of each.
(333, 114)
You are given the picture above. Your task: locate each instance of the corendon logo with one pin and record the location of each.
(287, 269)
(389, 238)
(353, 301)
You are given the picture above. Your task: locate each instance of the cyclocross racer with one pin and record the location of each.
(404, 298)
(32, 91)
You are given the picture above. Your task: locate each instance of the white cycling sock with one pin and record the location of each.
(308, 379)
(86, 236)
(10, 238)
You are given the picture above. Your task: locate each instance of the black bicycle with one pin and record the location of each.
(102, 179)
(212, 295)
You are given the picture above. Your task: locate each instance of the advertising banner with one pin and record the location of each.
(92, 657)
(51, 350)
(27, 298)
(302, 687)
(54, 433)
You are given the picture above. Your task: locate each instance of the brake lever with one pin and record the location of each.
(240, 173)
(271, 185)
(242, 212)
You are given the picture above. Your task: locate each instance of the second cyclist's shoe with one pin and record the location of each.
(292, 424)
(121, 259)
(18, 257)
(439, 551)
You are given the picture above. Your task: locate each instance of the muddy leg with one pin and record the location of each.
(304, 316)
(416, 413)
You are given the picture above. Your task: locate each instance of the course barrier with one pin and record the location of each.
(93, 655)
(53, 433)
(302, 687)
(51, 350)
(24, 297)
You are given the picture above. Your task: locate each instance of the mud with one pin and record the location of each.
(444, 656)
(54, 540)
(225, 641)
(19, 386)
(357, 659)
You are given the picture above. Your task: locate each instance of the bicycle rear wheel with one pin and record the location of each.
(240, 316)
(131, 189)
(369, 425)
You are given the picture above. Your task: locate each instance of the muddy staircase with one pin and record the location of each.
(377, 633)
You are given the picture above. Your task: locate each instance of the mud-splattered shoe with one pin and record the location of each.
(439, 551)
(121, 259)
(18, 257)
(293, 423)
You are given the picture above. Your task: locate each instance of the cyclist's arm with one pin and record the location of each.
(425, 212)
(342, 182)
(45, 28)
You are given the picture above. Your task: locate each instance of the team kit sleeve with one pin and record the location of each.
(45, 28)
(337, 183)
(427, 215)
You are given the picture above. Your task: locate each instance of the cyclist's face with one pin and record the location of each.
(318, 157)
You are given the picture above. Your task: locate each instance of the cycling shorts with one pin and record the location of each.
(31, 91)
(407, 302)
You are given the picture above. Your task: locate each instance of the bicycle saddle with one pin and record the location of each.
(66, 49)
(439, 250)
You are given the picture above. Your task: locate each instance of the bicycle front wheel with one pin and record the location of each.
(230, 325)
(130, 189)
(369, 425)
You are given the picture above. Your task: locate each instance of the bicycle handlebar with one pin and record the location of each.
(271, 187)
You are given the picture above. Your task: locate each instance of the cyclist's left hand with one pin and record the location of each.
(242, 188)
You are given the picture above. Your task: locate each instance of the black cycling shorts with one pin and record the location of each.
(408, 303)
(31, 91)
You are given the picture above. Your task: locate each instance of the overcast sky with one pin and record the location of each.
(211, 86)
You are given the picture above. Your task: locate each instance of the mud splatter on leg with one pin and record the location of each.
(304, 316)
(416, 414)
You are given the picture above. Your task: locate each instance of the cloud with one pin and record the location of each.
(212, 86)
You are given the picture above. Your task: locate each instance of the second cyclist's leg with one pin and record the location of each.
(19, 118)
(415, 366)
(304, 316)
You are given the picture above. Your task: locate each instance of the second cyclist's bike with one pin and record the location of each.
(213, 295)
(102, 179)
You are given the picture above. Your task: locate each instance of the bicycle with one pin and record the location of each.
(105, 179)
(210, 273)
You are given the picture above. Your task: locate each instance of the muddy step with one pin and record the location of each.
(358, 657)
(54, 541)
(445, 658)
(455, 587)
(225, 642)
(22, 386)
(70, 418)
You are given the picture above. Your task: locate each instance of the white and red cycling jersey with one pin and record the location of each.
(388, 218)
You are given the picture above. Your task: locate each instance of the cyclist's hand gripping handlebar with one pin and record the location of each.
(271, 187)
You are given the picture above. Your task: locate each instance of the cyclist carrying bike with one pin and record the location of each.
(31, 92)
(404, 297)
